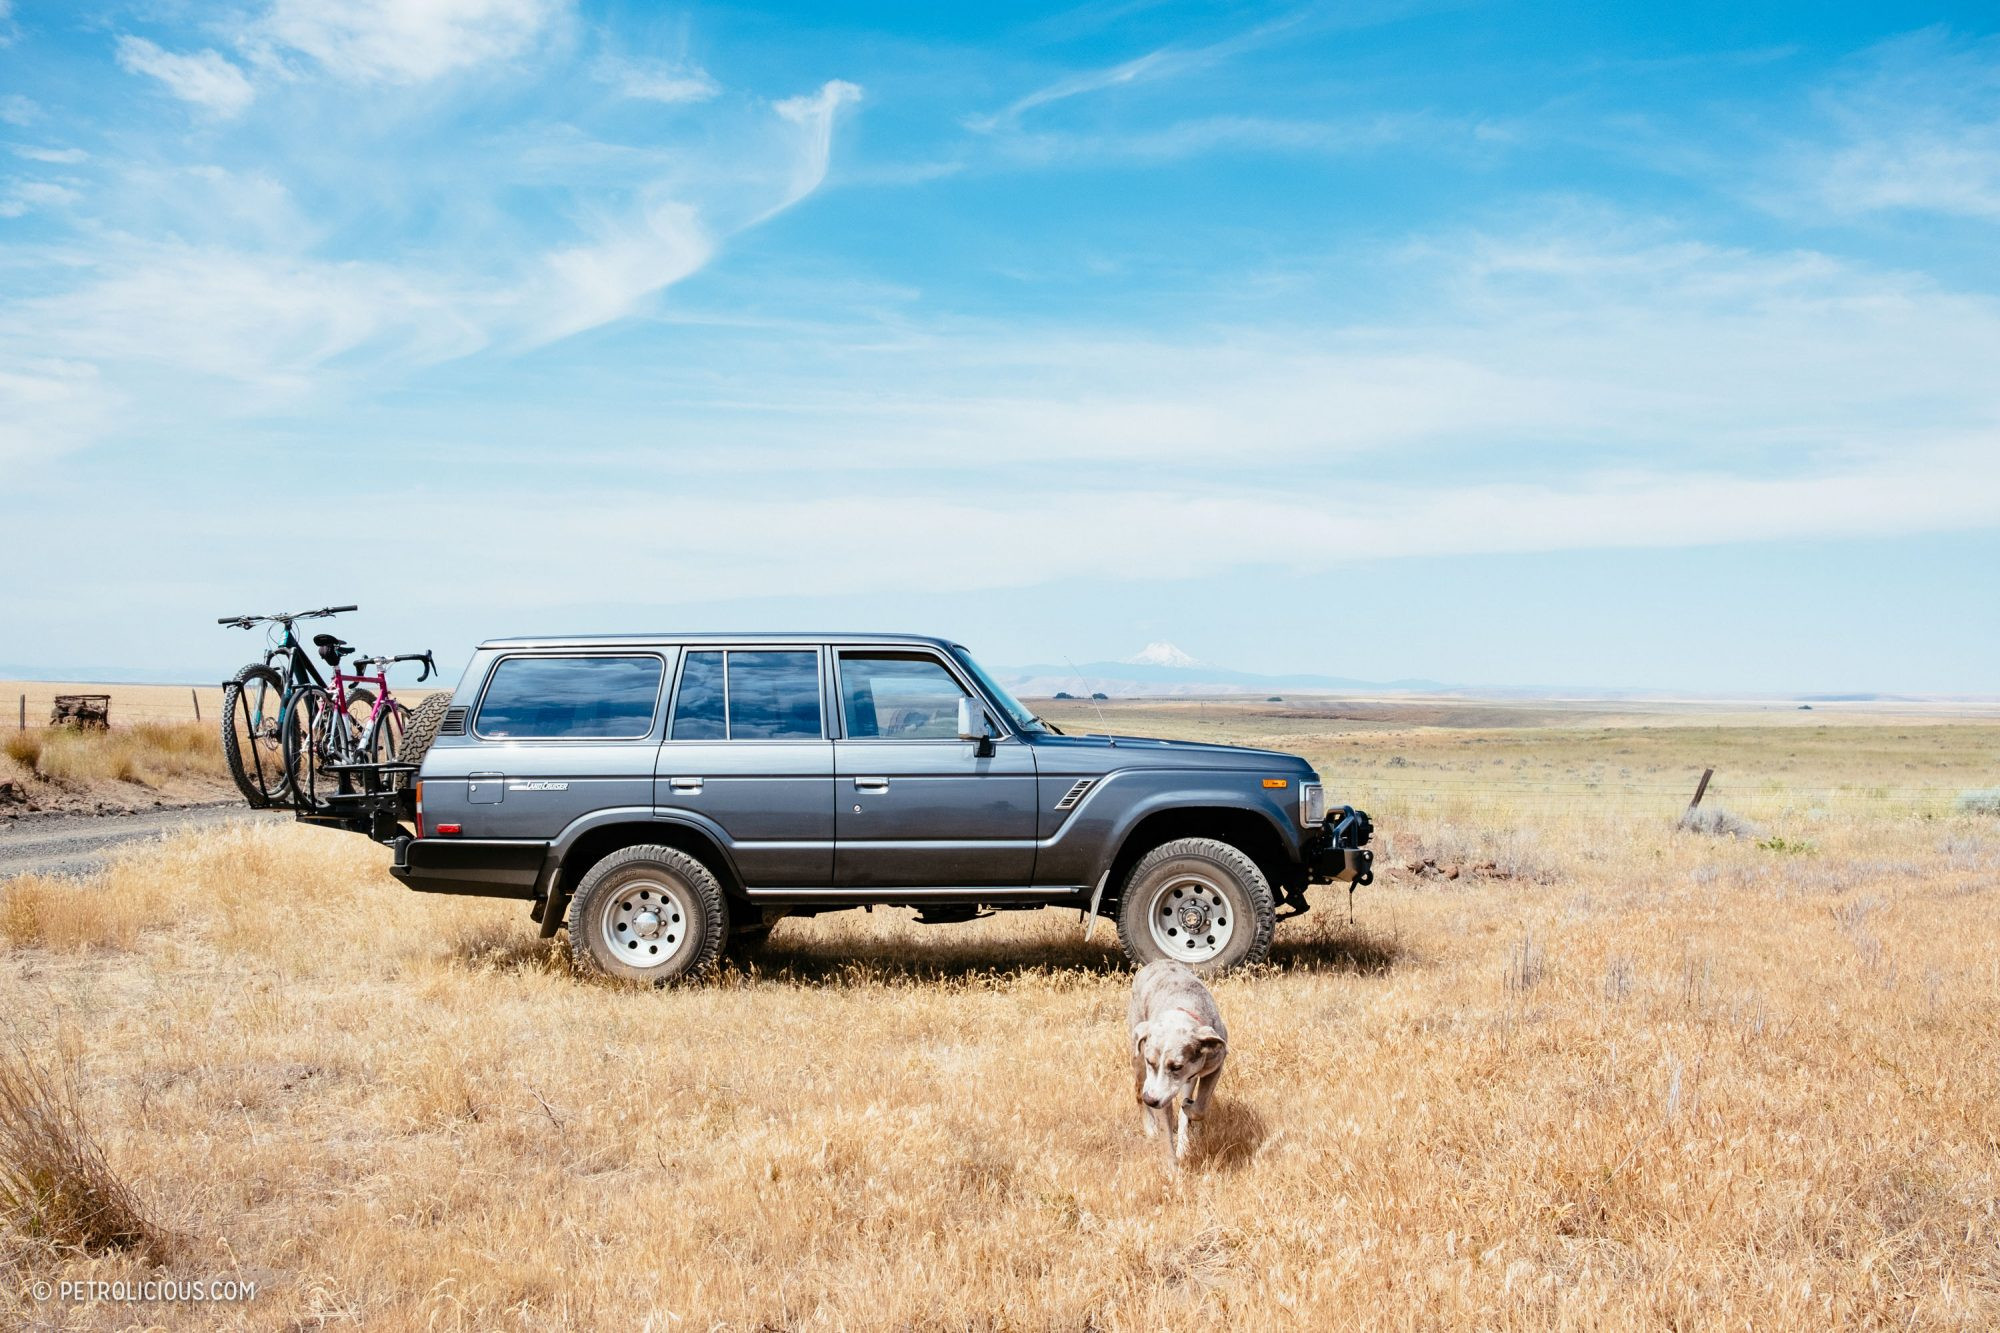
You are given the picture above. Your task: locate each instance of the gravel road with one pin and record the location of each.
(76, 844)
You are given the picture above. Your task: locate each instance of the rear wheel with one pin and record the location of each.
(1197, 901)
(648, 914)
(252, 705)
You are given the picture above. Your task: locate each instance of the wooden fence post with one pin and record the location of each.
(196, 696)
(1701, 788)
(24, 712)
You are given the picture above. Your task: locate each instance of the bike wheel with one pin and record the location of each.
(316, 735)
(252, 706)
(385, 738)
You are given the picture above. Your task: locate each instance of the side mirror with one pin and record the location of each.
(971, 719)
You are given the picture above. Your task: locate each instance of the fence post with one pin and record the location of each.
(1701, 788)
(24, 712)
(195, 695)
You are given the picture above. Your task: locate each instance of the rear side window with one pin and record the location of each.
(570, 698)
(739, 695)
(898, 696)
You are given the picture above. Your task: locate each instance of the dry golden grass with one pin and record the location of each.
(1664, 1080)
(147, 753)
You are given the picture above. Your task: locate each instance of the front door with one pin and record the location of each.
(746, 752)
(915, 806)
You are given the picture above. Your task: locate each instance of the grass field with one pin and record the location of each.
(1611, 1075)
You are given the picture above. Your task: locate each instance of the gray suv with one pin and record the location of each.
(671, 795)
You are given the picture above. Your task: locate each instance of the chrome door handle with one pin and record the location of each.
(871, 784)
(685, 784)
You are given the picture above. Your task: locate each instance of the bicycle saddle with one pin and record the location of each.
(331, 648)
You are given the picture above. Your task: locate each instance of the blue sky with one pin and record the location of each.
(1635, 345)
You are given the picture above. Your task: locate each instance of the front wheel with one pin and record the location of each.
(252, 705)
(1197, 901)
(648, 914)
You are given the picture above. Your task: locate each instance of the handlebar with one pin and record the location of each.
(430, 667)
(284, 617)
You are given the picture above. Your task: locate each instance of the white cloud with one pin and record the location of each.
(18, 110)
(656, 81)
(58, 156)
(24, 197)
(1916, 128)
(814, 115)
(405, 41)
(204, 78)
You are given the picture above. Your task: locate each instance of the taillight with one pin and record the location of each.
(420, 809)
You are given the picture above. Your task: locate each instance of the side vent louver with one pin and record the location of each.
(1075, 794)
(453, 724)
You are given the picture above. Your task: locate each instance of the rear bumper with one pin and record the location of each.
(1338, 852)
(486, 868)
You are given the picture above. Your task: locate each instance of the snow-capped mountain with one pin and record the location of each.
(1162, 654)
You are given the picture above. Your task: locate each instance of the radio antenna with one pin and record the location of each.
(1084, 685)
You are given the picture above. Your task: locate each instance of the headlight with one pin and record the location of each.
(1312, 803)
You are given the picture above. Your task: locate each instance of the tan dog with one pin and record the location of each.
(1178, 1046)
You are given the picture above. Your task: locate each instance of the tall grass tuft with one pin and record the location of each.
(55, 1185)
(24, 748)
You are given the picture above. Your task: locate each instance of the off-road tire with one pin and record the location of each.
(699, 892)
(1241, 883)
(420, 727)
(232, 751)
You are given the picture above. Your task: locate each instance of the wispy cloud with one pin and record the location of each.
(58, 156)
(657, 81)
(1917, 128)
(204, 78)
(404, 41)
(22, 197)
(1166, 62)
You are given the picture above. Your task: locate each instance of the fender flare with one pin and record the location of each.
(1183, 799)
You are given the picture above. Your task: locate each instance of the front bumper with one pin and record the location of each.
(1338, 852)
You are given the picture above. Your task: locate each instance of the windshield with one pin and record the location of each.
(1023, 719)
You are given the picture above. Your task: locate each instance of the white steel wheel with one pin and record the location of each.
(1189, 919)
(645, 923)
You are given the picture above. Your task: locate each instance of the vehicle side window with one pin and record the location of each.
(698, 709)
(774, 696)
(898, 696)
(570, 698)
(749, 696)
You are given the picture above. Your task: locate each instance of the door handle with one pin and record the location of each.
(685, 784)
(871, 784)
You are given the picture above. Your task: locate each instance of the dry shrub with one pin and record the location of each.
(1715, 822)
(1452, 851)
(147, 752)
(1985, 801)
(55, 1185)
(24, 748)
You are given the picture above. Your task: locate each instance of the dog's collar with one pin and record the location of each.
(1181, 1008)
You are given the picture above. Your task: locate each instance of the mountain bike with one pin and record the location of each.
(253, 705)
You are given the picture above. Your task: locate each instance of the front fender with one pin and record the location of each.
(1083, 849)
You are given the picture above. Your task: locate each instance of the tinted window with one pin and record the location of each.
(773, 696)
(698, 714)
(570, 698)
(898, 696)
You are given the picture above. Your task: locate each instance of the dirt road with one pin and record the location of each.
(75, 844)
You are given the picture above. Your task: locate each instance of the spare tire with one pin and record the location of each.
(421, 727)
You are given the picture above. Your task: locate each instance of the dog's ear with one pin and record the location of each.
(1211, 1040)
(1139, 1035)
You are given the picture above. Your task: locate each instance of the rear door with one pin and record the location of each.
(556, 735)
(747, 752)
(916, 807)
